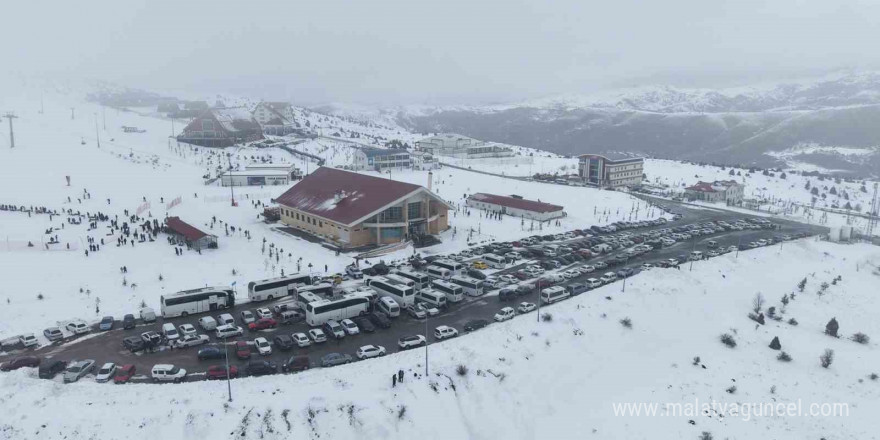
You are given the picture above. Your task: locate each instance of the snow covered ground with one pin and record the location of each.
(557, 379)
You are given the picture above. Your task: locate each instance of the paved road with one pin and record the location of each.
(107, 346)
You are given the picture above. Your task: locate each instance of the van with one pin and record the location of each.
(439, 272)
(712, 244)
(695, 256)
(333, 328)
(608, 277)
(225, 319)
(576, 289)
(169, 331)
(168, 373)
(432, 297)
(148, 315)
(553, 294)
(594, 283)
(388, 306)
(290, 317)
(207, 323)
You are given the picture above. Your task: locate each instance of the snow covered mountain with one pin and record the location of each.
(739, 125)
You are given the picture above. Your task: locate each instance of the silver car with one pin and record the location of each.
(78, 369)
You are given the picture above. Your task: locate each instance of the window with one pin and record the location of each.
(393, 214)
(414, 210)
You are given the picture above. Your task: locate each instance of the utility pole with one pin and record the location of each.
(228, 373)
(691, 256)
(872, 216)
(97, 133)
(104, 116)
(72, 113)
(426, 343)
(538, 316)
(11, 116)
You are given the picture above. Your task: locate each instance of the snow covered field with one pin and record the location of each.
(557, 379)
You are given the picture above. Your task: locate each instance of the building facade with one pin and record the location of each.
(184, 233)
(607, 172)
(380, 159)
(350, 209)
(255, 178)
(291, 170)
(463, 147)
(221, 128)
(727, 191)
(515, 206)
(275, 118)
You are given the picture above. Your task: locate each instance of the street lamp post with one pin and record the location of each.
(228, 379)
(691, 256)
(426, 343)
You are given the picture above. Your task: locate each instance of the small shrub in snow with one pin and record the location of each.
(461, 370)
(706, 435)
(771, 312)
(626, 322)
(773, 389)
(801, 285)
(727, 339)
(832, 327)
(784, 300)
(873, 376)
(784, 357)
(861, 338)
(731, 390)
(401, 412)
(793, 321)
(827, 358)
(40, 297)
(547, 317)
(759, 318)
(696, 360)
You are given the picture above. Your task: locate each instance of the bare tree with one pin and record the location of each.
(827, 358)
(757, 303)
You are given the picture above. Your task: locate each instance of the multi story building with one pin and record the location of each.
(275, 118)
(380, 159)
(720, 190)
(605, 171)
(463, 147)
(351, 209)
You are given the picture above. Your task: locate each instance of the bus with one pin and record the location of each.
(455, 268)
(495, 261)
(438, 272)
(470, 286)
(349, 306)
(400, 292)
(318, 289)
(303, 299)
(267, 290)
(188, 302)
(422, 280)
(402, 280)
(454, 293)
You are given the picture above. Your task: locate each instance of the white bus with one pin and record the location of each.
(455, 268)
(470, 286)
(422, 280)
(438, 272)
(400, 292)
(188, 302)
(402, 280)
(432, 297)
(303, 299)
(319, 289)
(454, 292)
(267, 290)
(495, 261)
(349, 306)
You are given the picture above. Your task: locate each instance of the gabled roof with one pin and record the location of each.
(235, 119)
(716, 186)
(514, 202)
(346, 197)
(185, 229)
(281, 111)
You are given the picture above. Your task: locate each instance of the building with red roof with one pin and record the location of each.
(352, 209)
(188, 234)
(515, 206)
(720, 190)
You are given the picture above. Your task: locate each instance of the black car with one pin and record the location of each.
(295, 363)
(128, 322)
(474, 273)
(283, 342)
(260, 368)
(475, 325)
(380, 320)
(364, 324)
(50, 368)
(211, 353)
(507, 293)
(380, 269)
(133, 343)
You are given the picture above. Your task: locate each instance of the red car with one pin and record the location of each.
(20, 362)
(521, 275)
(219, 372)
(124, 374)
(585, 253)
(263, 323)
(242, 350)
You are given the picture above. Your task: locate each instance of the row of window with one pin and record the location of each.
(310, 220)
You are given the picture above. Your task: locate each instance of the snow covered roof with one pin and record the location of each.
(716, 186)
(185, 229)
(258, 172)
(515, 202)
(374, 152)
(613, 157)
(346, 197)
(235, 118)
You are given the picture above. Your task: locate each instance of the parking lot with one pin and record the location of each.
(107, 346)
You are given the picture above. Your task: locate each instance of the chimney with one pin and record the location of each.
(430, 179)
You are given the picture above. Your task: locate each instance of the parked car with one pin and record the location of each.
(295, 363)
(168, 373)
(445, 332)
(128, 322)
(28, 340)
(78, 369)
(217, 372)
(247, 317)
(50, 368)
(124, 374)
(334, 359)
(507, 293)
(78, 327)
(192, 340)
(263, 312)
(53, 334)
(106, 323)
(242, 350)
(263, 324)
(207, 323)
(411, 341)
(364, 324)
(211, 352)
(301, 340)
(151, 338)
(283, 342)
(504, 314)
(263, 346)
(317, 336)
(228, 331)
(147, 315)
(186, 330)
(416, 312)
(133, 343)
(526, 307)
(106, 372)
(380, 320)
(349, 326)
(370, 351)
(333, 329)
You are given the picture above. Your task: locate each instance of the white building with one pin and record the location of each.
(458, 146)
(380, 159)
(720, 190)
(275, 118)
(611, 172)
(293, 172)
(255, 178)
(515, 206)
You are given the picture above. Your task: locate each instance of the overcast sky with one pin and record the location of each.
(436, 52)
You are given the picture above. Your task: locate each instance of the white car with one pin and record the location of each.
(247, 316)
(28, 340)
(370, 351)
(106, 372)
(526, 307)
(594, 283)
(427, 308)
(301, 339)
(264, 312)
(192, 341)
(587, 268)
(571, 273)
(349, 326)
(411, 341)
(509, 279)
(505, 314)
(77, 327)
(445, 332)
(317, 335)
(187, 330)
(263, 346)
(228, 331)
(207, 323)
